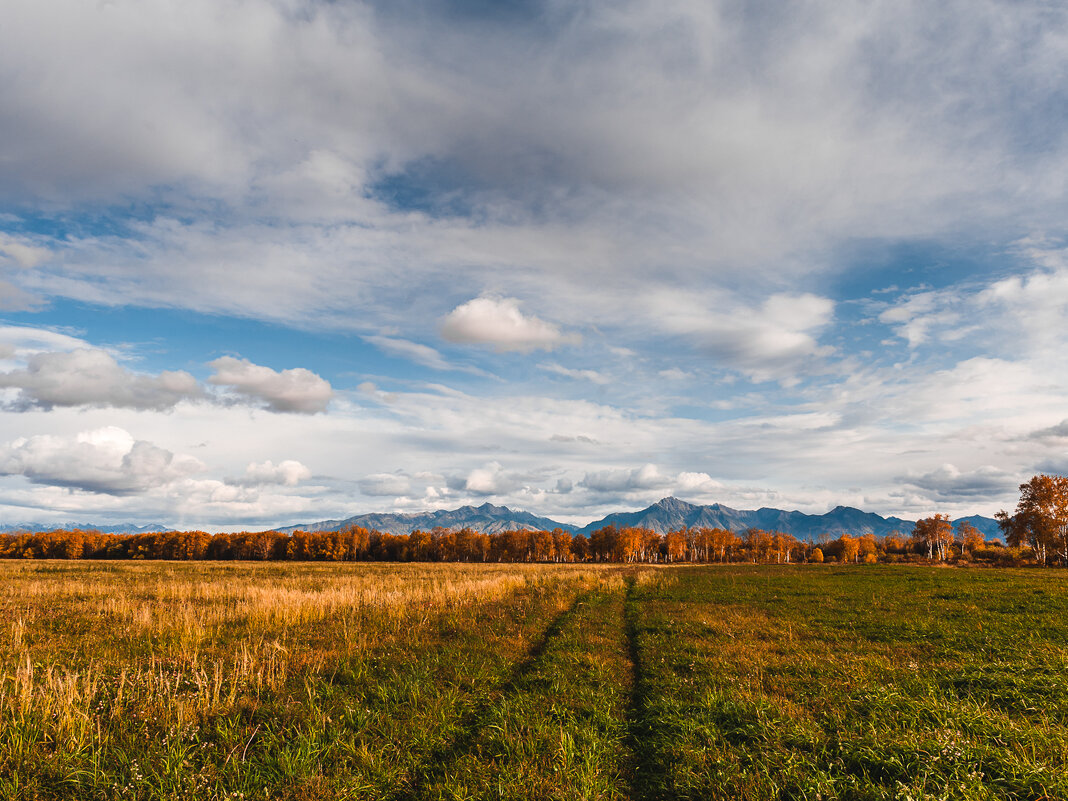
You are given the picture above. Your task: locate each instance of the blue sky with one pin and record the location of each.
(273, 262)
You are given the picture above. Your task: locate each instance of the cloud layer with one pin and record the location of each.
(801, 257)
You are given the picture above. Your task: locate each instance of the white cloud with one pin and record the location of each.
(27, 340)
(949, 482)
(13, 298)
(288, 473)
(22, 251)
(105, 460)
(418, 353)
(918, 314)
(490, 479)
(776, 339)
(499, 322)
(593, 376)
(413, 351)
(87, 377)
(385, 484)
(1020, 317)
(700, 483)
(674, 374)
(639, 478)
(1059, 431)
(294, 390)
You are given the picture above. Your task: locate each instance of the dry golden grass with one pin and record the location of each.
(191, 639)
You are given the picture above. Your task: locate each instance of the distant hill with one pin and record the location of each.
(486, 518)
(669, 514)
(121, 528)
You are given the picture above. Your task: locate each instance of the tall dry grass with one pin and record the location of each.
(88, 642)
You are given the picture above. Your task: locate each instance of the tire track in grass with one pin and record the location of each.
(558, 727)
(395, 711)
(472, 722)
(645, 768)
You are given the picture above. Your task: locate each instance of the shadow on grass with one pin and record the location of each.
(438, 764)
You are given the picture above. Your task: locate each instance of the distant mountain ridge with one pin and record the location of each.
(120, 528)
(670, 514)
(486, 518)
(667, 514)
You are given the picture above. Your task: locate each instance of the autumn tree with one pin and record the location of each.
(894, 542)
(935, 533)
(869, 548)
(603, 543)
(782, 546)
(1041, 519)
(849, 548)
(675, 545)
(580, 548)
(561, 545)
(970, 538)
(542, 546)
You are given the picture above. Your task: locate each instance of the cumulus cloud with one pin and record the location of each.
(105, 460)
(295, 390)
(490, 479)
(499, 322)
(90, 377)
(639, 478)
(949, 482)
(385, 484)
(287, 473)
(696, 483)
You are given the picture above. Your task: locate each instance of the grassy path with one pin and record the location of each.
(558, 728)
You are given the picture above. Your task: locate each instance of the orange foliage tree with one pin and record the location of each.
(1041, 519)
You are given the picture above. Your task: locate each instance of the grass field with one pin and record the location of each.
(320, 681)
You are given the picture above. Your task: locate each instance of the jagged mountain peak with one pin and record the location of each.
(672, 504)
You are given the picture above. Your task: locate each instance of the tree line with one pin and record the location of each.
(1036, 533)
(608, 544)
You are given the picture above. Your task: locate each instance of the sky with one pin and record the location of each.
(273, 262)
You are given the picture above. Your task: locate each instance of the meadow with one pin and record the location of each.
(207, 680)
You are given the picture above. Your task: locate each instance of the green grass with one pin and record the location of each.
(200, 681)
(863, 683)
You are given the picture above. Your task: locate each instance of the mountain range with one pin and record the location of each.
(665, 515)
(486, 518)
(121, 528)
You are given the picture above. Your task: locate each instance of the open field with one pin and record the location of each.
(414, 681)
